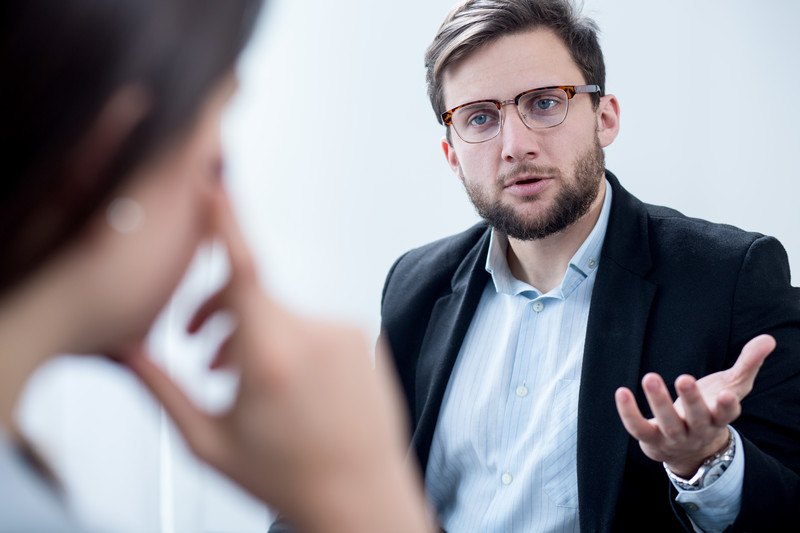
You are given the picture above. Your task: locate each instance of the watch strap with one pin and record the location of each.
(709, 470)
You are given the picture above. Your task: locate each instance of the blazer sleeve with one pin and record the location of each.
(765, 302)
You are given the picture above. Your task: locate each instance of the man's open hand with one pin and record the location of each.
(684, 433)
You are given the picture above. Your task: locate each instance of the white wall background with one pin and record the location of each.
(335, 168)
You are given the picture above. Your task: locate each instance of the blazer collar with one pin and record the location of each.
(612, 357)
(615, 337)
(627, 242)
(447, 327)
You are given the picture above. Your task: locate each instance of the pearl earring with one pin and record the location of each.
(125, 215)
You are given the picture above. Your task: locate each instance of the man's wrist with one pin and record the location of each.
(709, 470)
(686, 468)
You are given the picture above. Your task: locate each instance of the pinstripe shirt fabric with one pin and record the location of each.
(504, 453)
(503, 456)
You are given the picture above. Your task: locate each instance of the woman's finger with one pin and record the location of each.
(213, 304)
(224, 358)
(198, 427)
(227, 228)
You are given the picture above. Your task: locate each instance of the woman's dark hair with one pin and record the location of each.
(62, 61)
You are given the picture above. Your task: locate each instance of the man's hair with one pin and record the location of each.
(475, 23)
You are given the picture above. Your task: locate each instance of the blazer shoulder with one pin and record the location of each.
(674, 232)
(433, 264)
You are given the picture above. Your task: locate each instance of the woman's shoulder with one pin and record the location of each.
(29, 501)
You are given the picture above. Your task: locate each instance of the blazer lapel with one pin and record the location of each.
(614, 341)
(615, 337)
(449, 322)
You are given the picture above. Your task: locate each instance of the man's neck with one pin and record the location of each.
(541, 263)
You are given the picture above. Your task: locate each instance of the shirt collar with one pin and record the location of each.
(585, 260)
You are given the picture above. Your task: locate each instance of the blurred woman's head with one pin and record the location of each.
(111, 135)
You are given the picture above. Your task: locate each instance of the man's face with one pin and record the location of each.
(529, 183)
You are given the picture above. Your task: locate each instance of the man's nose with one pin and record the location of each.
(519, 141)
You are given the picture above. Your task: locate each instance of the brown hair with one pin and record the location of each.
(475, 23)
(63, 61)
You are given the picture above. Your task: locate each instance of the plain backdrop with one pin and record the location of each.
(335, 167)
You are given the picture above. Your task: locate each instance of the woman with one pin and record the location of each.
(113, 109)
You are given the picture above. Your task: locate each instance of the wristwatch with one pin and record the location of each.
(711, 469)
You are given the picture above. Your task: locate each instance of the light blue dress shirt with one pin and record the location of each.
(504, 453)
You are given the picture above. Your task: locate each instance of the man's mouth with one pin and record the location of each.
(527, 180)
(527, 186)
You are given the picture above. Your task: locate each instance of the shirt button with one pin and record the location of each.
(522, 391)
(538, 306)
(592, 263)
(506, 478)
(692, 507)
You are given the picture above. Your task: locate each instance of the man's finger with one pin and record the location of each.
(695, 411)
(635, 424)
(744, 371)
(727, 409)
(661, 404)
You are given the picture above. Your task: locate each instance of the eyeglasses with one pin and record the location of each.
(546, 107)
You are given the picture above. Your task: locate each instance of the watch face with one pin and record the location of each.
(711, 469)
(688, 486)
(713, 473)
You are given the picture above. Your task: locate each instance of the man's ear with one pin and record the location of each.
(607, 120)
(451, 157)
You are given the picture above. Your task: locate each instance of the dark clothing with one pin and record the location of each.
(673, 295)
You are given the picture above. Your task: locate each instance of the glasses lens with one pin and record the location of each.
(543, 109)
(477, 122)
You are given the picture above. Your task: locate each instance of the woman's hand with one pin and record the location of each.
(314, 430)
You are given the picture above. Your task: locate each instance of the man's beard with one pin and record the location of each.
(572, 201)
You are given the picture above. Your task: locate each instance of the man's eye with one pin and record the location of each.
(479, 120)
(545, 104)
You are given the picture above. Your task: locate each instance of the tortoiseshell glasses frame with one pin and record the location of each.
(543, 107)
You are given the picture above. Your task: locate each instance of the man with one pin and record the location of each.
(528, 344)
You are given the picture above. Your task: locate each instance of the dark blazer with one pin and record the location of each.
(673, 295)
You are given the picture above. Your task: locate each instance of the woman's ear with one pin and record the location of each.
(116, 121)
